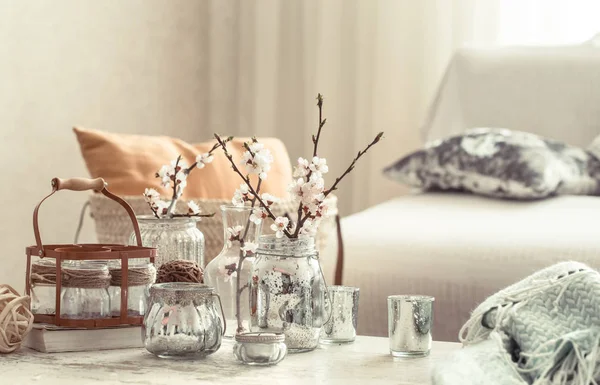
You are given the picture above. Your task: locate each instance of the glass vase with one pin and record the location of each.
(221, 274)
(288, 291)
(174, 238)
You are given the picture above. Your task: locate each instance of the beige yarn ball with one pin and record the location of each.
(16, 320)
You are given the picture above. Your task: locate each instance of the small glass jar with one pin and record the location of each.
(182, 320)
(85, 291)
(43, 286)
(174, 238)
(260, 349)
(140, 277)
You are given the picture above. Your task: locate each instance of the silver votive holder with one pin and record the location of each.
(261, 349)
(341, 326)
(409, 324)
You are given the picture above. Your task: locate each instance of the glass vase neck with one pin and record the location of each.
(239, 217)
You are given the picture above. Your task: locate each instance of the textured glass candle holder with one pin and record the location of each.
(409, 324)
(260, 349)
(341, 326)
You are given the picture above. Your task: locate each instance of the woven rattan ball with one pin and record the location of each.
(180, 270)
(16, 320)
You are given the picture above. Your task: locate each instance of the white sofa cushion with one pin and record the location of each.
(459, 248)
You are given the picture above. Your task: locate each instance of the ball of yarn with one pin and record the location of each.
(180, 270)
(16, 320)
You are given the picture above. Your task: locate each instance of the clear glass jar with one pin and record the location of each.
(43, 286)
(182, 320)
(140, 278)
(287, 291)
(174, 238)
(85, 291)
(221, 274)
(260, 349)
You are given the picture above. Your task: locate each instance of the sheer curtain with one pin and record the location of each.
(377, 63)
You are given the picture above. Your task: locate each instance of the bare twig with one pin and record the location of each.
(174, 198)
(216, 146)
(351, 167)
(321, 124)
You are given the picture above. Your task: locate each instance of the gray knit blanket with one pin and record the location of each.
(542, 330)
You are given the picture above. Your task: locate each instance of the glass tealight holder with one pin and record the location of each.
(260, 349)
(341, 326)
(43, 286)
(85, 291)
(140, 277)
(409, 324)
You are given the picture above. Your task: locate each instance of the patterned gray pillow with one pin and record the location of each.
(500, 163)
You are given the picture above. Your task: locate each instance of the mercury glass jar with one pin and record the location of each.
(182, 320)
(260, 349)
(221, 272)
(287, 291)
(140, 277)
(85, 291)
(43, 286)
(174, 238)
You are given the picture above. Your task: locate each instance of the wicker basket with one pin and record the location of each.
(114, 227)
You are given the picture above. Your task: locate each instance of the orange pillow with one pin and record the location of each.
(129, 162)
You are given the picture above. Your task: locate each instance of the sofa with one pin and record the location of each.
(461, 248)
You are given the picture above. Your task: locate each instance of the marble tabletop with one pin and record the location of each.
(366, 361)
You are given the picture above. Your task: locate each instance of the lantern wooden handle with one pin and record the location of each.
(82, 184)
(79, 184)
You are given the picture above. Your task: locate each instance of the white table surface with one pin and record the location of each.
(366, 361)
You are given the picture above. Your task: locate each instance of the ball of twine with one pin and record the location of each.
(180, 270)
(16, 320)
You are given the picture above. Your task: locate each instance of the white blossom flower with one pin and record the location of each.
(279, 226)
(228, 269)
(301, 170)
(180, 182)
(249, 248)
(193, 208)
(319, 165)
(233, 234)
(258, 160)
(240, 196)
(161, 207)
(269, 199)
(309, 227)
(181, 165)
(165, 174)
(203, 159)
(151, 195)
(258, 214)
(295, 189)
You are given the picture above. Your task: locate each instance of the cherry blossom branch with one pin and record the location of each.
(154, 211)
(174, 198)
(351, 167)
(321, 124)
(315, 139)
(246, 180)
(210, 152)
(339, 179)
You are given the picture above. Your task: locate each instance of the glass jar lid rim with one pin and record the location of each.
(259, 337)
(182, 286)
